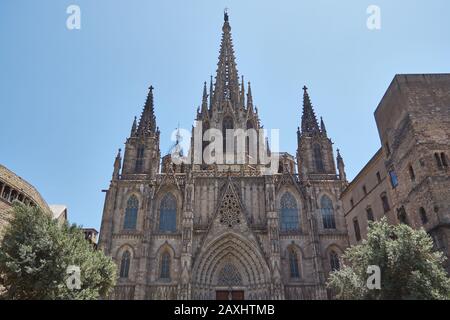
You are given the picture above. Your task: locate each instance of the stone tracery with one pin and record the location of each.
(229, 210)
(229, 276)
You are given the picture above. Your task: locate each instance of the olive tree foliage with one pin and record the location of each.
(36, 253)
(410, 267)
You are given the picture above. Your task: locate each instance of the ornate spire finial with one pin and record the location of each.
(117, 165)
(147, 122)
(210, 91)
(205, 92)
(227, 79)
(322, 127)
(134, 127)
(309, 120)
(249, 98)
(225, 15)
(204, 101)
(242, 97)
(341, 166)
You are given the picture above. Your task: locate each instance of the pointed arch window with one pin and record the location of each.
(327, 210)
(139, 159)
(227, 123)
(165, 266)
(293, 264)
(168, 214)
(334, 261)
(131, 213)
(369, 212)
(318, 161)
(423, 215)
(402, 216)
(289, 213)
(125, 264)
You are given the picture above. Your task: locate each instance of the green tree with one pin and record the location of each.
(410, 267)
(36, 252)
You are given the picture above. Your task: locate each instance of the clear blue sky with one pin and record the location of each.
(68, 98)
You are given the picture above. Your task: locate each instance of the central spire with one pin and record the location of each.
(227, 79)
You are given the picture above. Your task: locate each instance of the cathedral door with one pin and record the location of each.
(230, 295)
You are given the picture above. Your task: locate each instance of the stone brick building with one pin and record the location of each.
(14, 188)
(367, 198)
(411, 170)
(207, 231)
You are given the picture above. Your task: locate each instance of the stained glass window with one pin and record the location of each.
(131, 213)
(289, 213)
(139, 159)
(229, 276)
(318, 162)
(168, 214)
(125, 264)
(165, 266)
(326, 207)
(293, 264)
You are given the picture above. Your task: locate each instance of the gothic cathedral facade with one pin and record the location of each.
(225, 231)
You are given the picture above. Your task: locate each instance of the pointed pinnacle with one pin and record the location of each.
(339, 157)
(249, 97)
(133, 127)
(242, 92)
(147, 122)
(205, 92)
(309, 120)
(322, 127)
(210, 91)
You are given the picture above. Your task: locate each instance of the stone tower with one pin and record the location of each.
(315, 149)
(142, 147)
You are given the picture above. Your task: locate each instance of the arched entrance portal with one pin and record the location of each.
(229, 284)
(230, 268)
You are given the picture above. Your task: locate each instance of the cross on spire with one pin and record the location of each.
(147, 122)
(309, 120)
